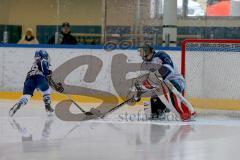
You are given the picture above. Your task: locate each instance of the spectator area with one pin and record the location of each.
(14, 31)
(87, 34)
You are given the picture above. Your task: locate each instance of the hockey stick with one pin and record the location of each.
(97, 113)
(74, 103)
(136, 98)
(118, 106)
(55, 85)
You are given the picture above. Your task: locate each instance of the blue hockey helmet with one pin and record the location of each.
(42, 54)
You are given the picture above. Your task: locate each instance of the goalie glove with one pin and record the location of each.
(139, 92)
(135, 95)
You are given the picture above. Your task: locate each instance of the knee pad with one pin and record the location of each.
(157, 106)
(24, 99)
(47, 99)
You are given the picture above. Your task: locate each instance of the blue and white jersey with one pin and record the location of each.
(163, 59)
(39, 67)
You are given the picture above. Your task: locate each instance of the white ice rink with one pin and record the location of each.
(32, 135)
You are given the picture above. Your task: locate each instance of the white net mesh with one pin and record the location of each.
(212, 74)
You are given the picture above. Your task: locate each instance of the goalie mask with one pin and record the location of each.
(146, 52)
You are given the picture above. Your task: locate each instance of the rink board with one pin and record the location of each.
(222, 104)
(93, 73)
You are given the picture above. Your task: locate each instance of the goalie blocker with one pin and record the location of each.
(162, 70)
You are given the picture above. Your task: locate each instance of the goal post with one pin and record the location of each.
(211, 68)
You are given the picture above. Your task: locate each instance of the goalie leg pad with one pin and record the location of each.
(183, 111)
(152, 81)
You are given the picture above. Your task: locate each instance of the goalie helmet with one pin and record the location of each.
(144, 51)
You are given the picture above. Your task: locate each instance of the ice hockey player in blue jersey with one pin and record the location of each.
(162, 68)
(37, 78)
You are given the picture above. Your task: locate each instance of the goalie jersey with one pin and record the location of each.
(163, 60)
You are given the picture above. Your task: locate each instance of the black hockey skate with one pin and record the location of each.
(158, 108)
(48, 108)
(14, 109)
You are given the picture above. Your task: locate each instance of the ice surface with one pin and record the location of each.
(32, 135)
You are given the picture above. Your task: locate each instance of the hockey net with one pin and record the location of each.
(212, 72)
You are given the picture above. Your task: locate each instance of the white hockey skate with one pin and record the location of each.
(14, 109)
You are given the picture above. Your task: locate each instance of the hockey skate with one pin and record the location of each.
(14, 109)
(49, 109)
(160, 115)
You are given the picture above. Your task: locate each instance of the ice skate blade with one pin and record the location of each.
(13, 110)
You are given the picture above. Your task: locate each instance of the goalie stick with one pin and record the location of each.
(140, 92)
(98, 114)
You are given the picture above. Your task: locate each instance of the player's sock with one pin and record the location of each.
(47, 102)
(24, 100)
